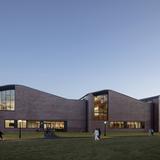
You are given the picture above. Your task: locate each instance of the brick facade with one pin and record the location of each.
(32, 104)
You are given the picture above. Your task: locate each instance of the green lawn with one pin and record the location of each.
(80, 146)
(35, 135)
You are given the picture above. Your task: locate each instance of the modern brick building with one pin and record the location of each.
(31, 109)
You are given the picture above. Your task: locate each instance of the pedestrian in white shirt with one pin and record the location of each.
(96, 134)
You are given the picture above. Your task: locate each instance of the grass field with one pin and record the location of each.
(80, 146)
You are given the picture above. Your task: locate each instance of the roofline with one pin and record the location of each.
(97, 93)
(109, 90)
(13, 86)
(150, 97)
(128, 96)
(100, 92)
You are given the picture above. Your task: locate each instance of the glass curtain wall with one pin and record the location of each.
(7, 100)
(101, 107)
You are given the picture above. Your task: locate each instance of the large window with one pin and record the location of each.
(54, 124)
(15, 123)
(125, 124)
(7, 100)
(100, 107)
(45, 124)
(59, 125)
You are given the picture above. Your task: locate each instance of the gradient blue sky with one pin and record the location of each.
(72, 47)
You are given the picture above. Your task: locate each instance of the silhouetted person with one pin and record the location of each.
(1, 135)
(152, 132)
(99, 130)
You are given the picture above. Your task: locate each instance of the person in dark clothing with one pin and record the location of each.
(152, 132)
(99, 130)
(1, 135)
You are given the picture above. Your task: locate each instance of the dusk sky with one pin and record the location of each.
(72, 47)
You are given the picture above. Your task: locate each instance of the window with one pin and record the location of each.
(100, 107)
(33, 124)
(135, 124)
(9, 123)
(54, 124)
(125, 124)
(7, 100)
(15, 123)
(59, 125)
(116, 124)
(21, 123)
